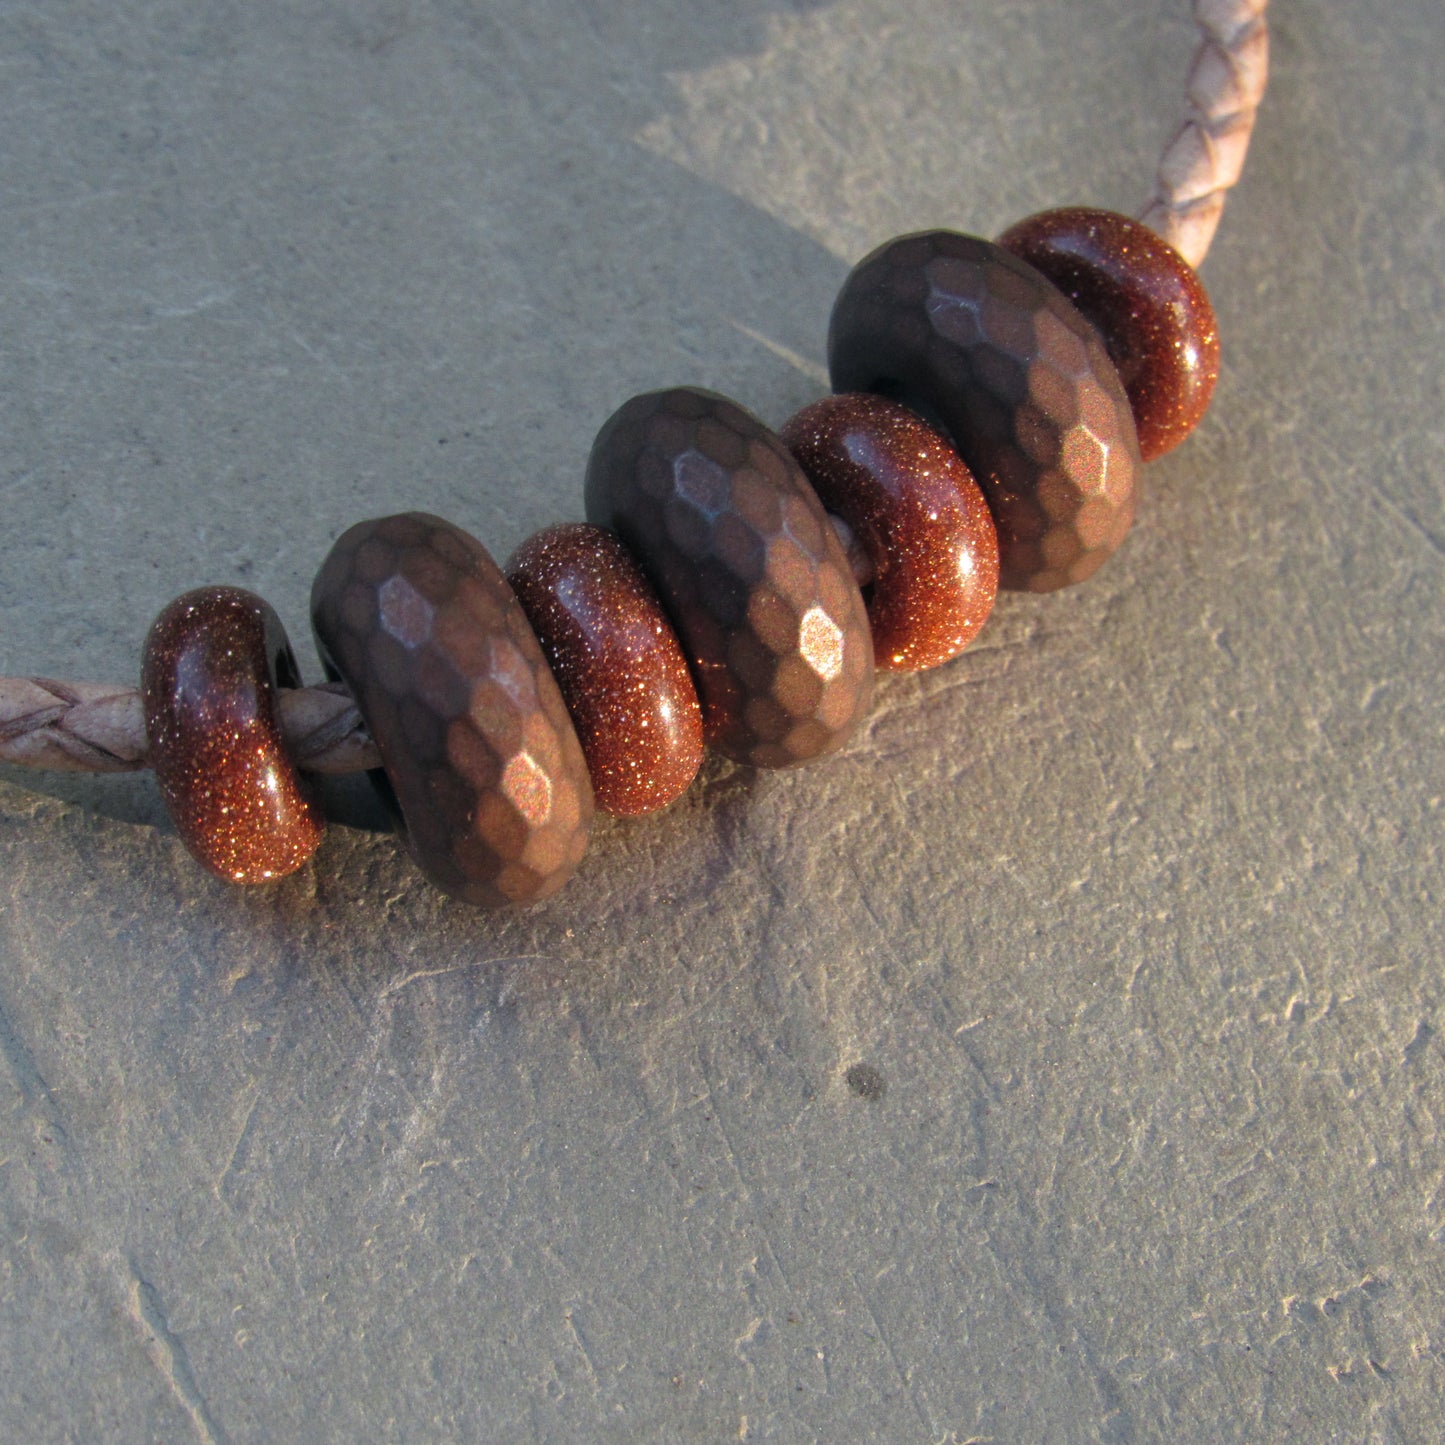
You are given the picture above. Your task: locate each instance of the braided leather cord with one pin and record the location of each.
(1205, 155)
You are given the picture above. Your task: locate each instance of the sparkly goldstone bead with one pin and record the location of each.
(617, 661)
(1148, 304)
(752, 575)
(920, 517)
(212, 663)
(966, 333)
(478, 751)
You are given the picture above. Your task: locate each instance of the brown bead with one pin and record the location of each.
(754, 579)
(617, 661)
(1148, 304)
(920, 517)
(1021, 383)
(212, 663)
(477, 747)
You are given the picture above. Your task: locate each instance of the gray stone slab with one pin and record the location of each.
(1134, 911)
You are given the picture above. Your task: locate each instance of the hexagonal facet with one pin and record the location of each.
(753, 578)
(1020, 381)
(478, 749)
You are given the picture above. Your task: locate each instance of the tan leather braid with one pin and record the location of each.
(1205, 155)
(89, 727)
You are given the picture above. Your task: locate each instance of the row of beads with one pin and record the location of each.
(713, 597)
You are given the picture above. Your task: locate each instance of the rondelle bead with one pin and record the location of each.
(751, 573)
(920, 517)
(212, 663)
(617, 661)
(478, 751)
(1148, 304)
(968, 334)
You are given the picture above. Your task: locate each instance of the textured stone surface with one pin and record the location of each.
(1020, 382)
(920, 517)
(618, 664)
(1134, 911)
(418, 621)
(212, 663)
(755, 580)
(1148, 304)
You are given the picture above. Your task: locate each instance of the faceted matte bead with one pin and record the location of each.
(479, 754)
(754, 578)
(920, 517)
(1148, 304)
(213, 661)
(969, 335)
(618, 662)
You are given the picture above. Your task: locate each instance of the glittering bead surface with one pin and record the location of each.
(213, 660)
(752, 576)
(1148, 304)
(920, 517)
(474, 737)
(1018, 379)
(617, 661)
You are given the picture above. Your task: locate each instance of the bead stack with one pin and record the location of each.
(732, 586)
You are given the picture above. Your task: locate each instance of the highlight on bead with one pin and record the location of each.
(213, 661)
(920, 517)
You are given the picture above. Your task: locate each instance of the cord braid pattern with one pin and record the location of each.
(90, 727)
(1205, 154)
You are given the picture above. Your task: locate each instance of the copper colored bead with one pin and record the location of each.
(920, 517)
(1021, 383)
(213, 661)
(617, 661)
(1148, 304)
(752, 575)
(477, 747)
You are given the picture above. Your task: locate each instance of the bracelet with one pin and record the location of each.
(731, 587)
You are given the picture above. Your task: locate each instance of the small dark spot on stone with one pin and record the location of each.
(1423, 1034)
(866, 1082)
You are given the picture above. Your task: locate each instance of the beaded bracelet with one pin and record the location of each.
(733, 587)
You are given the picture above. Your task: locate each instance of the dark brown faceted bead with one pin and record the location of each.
(1148, 304)
(212, 663)
(920, 517)
(971, 336)
(478, 751)
(617, 661)
(752, 575)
